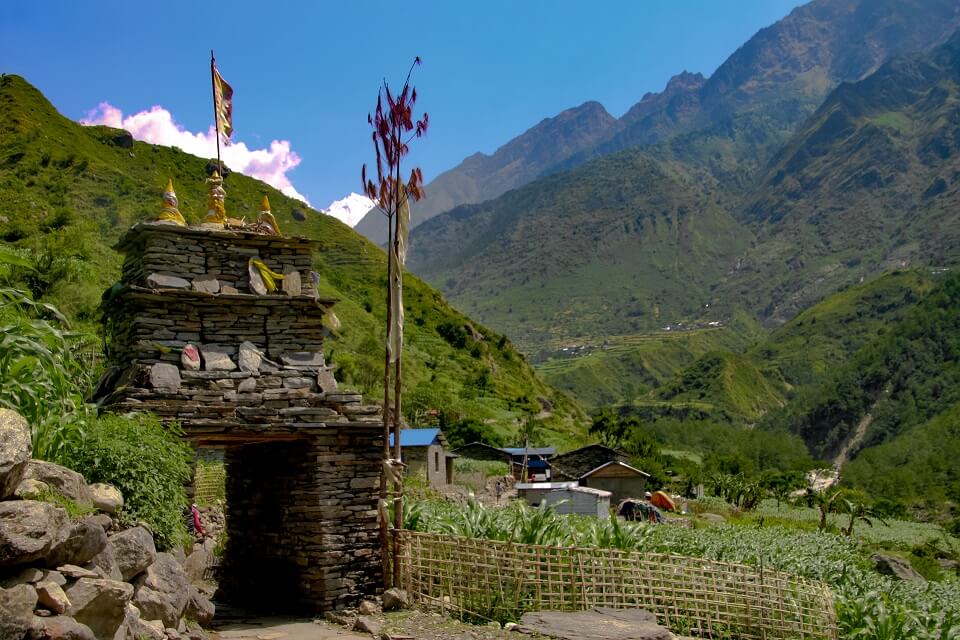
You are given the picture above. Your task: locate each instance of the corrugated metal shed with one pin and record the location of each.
(584, 501)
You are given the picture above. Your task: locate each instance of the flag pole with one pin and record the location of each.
(216, 116)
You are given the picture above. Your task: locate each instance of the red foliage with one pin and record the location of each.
(393, 128)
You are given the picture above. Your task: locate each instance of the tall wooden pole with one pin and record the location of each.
(398, 485)
(384, 522)
(216, 114)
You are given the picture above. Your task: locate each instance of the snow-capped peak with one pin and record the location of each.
(350, 209)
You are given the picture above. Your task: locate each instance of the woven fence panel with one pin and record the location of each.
(486, 579)
(209, 484)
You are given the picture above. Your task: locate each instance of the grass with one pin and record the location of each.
(75, 192)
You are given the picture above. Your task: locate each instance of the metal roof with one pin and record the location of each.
(546, 485)
(418, 437)
(617, 462)
(531, 451)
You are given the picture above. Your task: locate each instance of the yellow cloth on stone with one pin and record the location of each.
(269, 277)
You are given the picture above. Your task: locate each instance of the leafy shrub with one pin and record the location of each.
(147, 461)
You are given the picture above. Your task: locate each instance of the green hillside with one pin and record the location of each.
(622, 245)
(867, 185)
(826, 335)
(69, 192)
(727, 382)
(902, 379)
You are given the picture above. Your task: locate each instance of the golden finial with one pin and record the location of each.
(216, 211)
(266, 223)
(170, 211)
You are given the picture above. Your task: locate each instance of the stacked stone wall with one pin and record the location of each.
(194, 340)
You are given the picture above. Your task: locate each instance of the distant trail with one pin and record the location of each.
(823, 479)
(859, 433)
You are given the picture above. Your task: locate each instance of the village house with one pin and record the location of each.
(424, 451)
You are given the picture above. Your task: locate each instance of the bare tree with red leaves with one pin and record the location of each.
(394, 128)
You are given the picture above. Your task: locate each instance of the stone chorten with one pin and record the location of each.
(190, 339)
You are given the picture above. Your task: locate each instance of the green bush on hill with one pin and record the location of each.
(147, 461)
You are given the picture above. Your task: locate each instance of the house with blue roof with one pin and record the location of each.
(424, 451)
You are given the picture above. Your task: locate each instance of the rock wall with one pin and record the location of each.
(309, 536)
(83, 578)
(195, 336)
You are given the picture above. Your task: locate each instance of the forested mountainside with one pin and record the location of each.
(70, 191)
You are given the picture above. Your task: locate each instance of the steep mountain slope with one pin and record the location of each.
(785, 70)
(892, 407)
(742, 385)
(868, 184)
(70, 191)
(622, 244)
(481, 177)
(546, 248)
(626, 369)
(754, 99)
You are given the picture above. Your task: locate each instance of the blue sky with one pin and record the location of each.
(308, 72)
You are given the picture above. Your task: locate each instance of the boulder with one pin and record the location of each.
(206, 284)
(29, 530)
(368, 624)
(896, 567)
(30, 489)
(16, 611)
(100, 604)
(190, 358)
(162, 591)
(249, 357)
(291, 284)
(51, 596)
(53, 576)
(27, 576)
(105, 563)
(143, 629)
(133, 550)
(196, 563)
(599, 623)
(165, 377)
(160, 281)
(104, 520)
(257, 285)
(395, 599)
(15, 448)
(60, 628)
(122, 139)
(152, 629)
(67, 481)
(106, 497)
(74, 572)
(199, 608)
(84, 540)
(368, 608)
(216, 359)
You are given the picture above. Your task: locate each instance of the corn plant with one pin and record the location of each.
(42, 374)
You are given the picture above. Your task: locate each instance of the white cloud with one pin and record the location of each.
(350, 209)
(157, 126)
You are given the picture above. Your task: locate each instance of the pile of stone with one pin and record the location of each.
(64, 578)
(194, 335)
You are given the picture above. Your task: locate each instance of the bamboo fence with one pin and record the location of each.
(209, 484)
(486, 579)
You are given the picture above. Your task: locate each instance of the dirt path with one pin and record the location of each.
(859, 433)
(282, 629)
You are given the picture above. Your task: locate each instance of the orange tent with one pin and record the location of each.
(662, 500)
